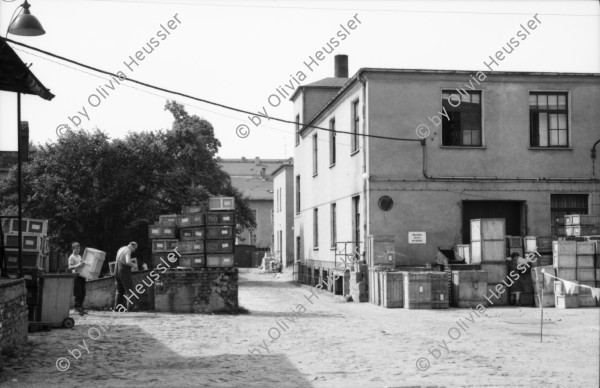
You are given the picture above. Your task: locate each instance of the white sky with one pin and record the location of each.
(238, 53)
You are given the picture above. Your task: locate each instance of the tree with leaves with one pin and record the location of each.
(104, 193)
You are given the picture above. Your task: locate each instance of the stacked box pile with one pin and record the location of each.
(488, 247)
(34, 254)
(205, 238)
(575, 262)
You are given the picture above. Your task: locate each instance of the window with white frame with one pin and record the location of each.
(548, 119)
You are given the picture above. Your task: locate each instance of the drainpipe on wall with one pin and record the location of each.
(365, 173)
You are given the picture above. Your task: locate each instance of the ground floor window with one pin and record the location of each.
(563, 204)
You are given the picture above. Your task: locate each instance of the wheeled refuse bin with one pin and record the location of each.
(55, 299)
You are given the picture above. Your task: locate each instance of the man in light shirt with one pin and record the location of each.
(123, 276)
(75, 265)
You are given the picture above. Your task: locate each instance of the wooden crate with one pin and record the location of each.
(581, 230)
(392, 289)
(188, 220)
(514, 241)
(219, 246)
(586, 247)
(566, 301)
(163, 258)
(220, 218)
(189, 234)
(586, 275)
(221, 203)
(469, 288)
(29, 225)
(497, 271)
(567, 273)
(31, 242)
(582, 219)
(167, 219)
(163, 245)
(440, 298)
(192, 261)
(92, 263)
(530, 244)
(161, 231)
(564, 247)
(488, 251)
(565, 261)
(219, 260)
(417, 290)
(30, 260)
(585, 261)
(544, 244)
(191, 246)
(463, 251)
(219, 232)
(193, 209)
(527, 299)
(548, 300)
(488, 229)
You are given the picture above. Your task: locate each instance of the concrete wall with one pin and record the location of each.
(205, 290)
(100, 293)
(13, 314)
(284, 214)
(333, 184)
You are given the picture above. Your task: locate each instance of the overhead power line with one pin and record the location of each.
(204, 100)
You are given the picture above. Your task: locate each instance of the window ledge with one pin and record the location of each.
(315, 174)
(464, 147)
(332, 249)
(332, 165)
(550, 148)
(315, 248)
(355, 152)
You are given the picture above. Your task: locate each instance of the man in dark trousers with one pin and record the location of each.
(75, 265)
(123, 276)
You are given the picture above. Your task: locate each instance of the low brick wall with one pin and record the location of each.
(205, 290)
(13, 313)
(100, 293)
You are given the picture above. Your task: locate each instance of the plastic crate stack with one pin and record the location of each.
(206, 238)
(34, 255)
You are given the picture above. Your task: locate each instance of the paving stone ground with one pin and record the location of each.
(325, 342)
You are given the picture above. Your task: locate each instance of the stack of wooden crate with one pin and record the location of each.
(34, 254)
(488, 247)
(206, 238)
(575, 262)
(582, 225)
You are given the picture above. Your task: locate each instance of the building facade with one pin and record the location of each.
(252, 177)
(283, 220)
(445, 147)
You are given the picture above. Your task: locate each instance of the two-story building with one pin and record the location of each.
(283, 210)
(425, 151)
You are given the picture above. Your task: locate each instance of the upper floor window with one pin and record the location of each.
(315, 155)
(461, 126)
(297, 129)
(297, 193)
(548, 119)
(332, 149)
(355, 127)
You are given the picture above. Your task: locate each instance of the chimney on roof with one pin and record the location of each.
(257, 161)
(24, 140)
(341, 66)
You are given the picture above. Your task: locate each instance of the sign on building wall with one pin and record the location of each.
(417, 237)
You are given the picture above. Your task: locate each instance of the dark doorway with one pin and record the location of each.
(511, 211)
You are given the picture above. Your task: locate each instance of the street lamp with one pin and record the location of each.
(25, 24)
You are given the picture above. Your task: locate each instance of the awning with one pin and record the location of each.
(16, 77)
